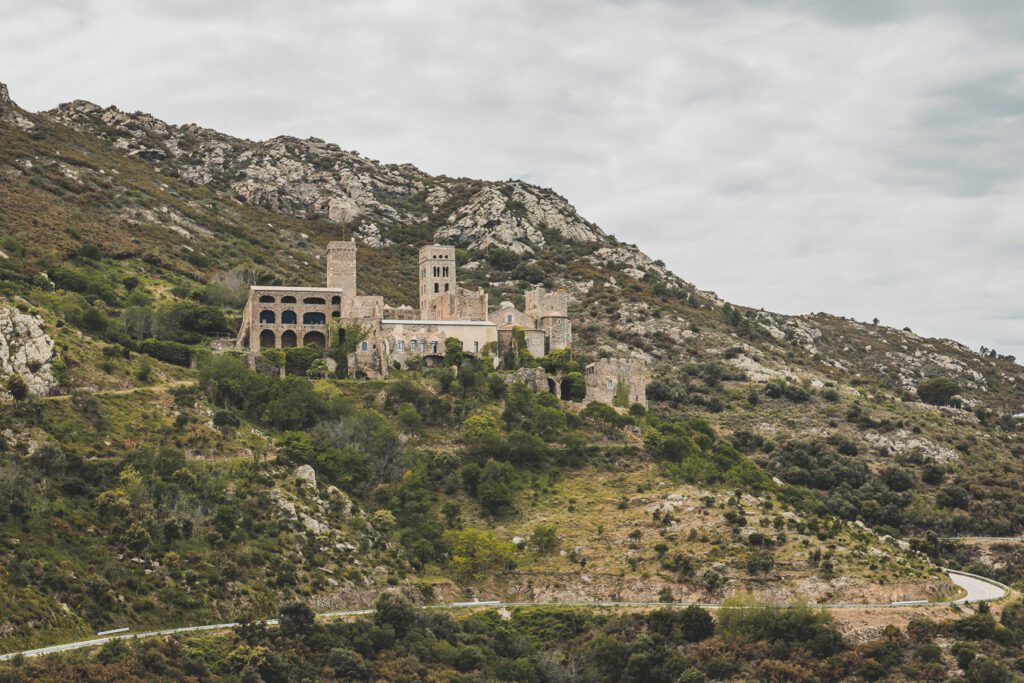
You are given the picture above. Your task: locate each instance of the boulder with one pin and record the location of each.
(26, 351)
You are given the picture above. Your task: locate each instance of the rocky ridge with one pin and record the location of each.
(26, 352)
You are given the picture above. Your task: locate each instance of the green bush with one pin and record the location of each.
(938, 391)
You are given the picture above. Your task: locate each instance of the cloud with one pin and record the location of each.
(862, 158)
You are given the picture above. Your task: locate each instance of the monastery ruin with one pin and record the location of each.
(285, 317)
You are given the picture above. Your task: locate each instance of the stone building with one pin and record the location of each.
(283, 317)
(617, 380)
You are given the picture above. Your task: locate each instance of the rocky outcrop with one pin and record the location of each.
(516, 216)
(26, 351)
(10, 113)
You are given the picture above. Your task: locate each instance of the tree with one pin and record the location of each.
(396, 611)
(453, 354)
(760, 562)
(938, 390)
(494, 487)
(545, 538)
(296, 619)
(477, 553)
(697, 624)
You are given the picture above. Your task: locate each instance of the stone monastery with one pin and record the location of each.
(283, 317)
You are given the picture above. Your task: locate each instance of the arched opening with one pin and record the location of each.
(336, 300)
(565, 390)
(288, 317)
(315, 300)
(267, 339)
(437, 288)
(313, 318)
(314, 339)
(336, 314)
(289, 339)
(552, 386)
(287, 299)
(266, 299)
(267, 317)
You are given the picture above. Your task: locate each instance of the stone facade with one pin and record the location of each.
(283, 317)
(609, 376)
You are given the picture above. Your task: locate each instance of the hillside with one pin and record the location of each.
(776, 455)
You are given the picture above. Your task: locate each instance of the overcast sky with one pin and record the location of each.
(861, 157)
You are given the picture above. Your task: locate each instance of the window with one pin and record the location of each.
(364, 346)
(446, 286)
(412, 345)
(437, 288)
(400, 346)
(266, 299)
(315, 300)
(267, 317)
(476, 347)
(433, 347)
(288, 317)
(445, 271)
(508, 318)
(288, 299)
(611, 384)
(313, 318)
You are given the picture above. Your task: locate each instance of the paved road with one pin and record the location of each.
(978, 589)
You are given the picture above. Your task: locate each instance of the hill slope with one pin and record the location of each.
(124, 240)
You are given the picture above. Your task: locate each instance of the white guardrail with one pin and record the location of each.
(124, 633)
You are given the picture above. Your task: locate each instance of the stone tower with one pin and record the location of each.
(437, 273)
(341, 270)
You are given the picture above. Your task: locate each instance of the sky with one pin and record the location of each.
(861, 158)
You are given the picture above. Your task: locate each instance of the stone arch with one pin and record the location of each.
(267, 299)
(552, 386)
(268, 339)
(267, 318)
(288, 318)
(565, 389)
(289, 339)
(315, 300)
(313, 318)
(314, 338)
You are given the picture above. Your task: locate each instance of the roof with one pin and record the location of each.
(449, 323)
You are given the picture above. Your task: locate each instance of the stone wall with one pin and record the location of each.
(605, 377)
(558, 331)
(341, 267)
(540, 302)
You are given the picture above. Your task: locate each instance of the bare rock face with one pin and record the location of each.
(10, 113)
(515, 216)
(25, 351)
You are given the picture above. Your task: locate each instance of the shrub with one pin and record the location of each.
(171, 352)
(545, 538)
(938, 390)
(476, 553)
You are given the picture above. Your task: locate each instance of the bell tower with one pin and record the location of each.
(437, 272)
(341, 269)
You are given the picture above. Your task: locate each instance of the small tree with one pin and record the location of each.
(938, 391)
(545, 538)
(17, 388)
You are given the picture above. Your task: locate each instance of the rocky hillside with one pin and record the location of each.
(145, 478)
(207, 207)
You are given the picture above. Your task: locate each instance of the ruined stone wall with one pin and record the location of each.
(540, 302)
(536, 342)
(604, 377)
(558, 331)
(470, 305)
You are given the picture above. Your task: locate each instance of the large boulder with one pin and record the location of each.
(26, 351)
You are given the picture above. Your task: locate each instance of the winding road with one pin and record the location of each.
(978, 588)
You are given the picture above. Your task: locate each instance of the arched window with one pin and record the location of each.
(400, 346)
(267, 317)
(446, 286)
(412, 345)
(336, 300)
(267, 339)
(313, 318)
(364, 346)
(288, 339)
(445, 271)
(288, 317)
(315, 300)
(314, 339)
(266, 299)
(437, 288)
(335, 314)
(287, 299)
(508, 318)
